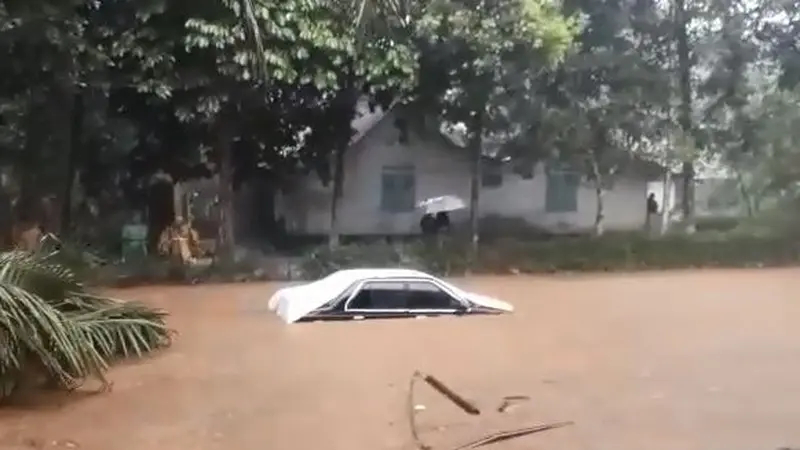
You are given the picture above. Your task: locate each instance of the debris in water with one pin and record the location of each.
(451, 395)
(472, 409)
(510, 402)
(511, 434)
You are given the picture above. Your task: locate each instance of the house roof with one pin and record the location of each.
(367, 118)
(455, 137)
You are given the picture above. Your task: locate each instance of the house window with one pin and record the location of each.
(562, 191)
(398, 190)
(492, 175)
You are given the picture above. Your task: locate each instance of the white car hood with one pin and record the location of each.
(293, 303)
(488, 302)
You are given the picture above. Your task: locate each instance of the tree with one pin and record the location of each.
(52, 96)
(602, 97)
(315, 62)
(603, 104)
(477, 58)
(773, 140)
(741, 73)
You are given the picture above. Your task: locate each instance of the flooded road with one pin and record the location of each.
(703, 360)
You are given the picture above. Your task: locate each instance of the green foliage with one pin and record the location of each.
(478, 57)
(717, 223)
(53, 330)
(110, 92)
(620, 252)
(607, 98)
(325, 260)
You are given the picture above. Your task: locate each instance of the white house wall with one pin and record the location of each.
(624, 203)
(438, 172)
(658, 187)
(442, 170)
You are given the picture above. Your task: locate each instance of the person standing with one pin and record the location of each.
(442, 222)
(427, 225)
(652, 212)
(180, 244)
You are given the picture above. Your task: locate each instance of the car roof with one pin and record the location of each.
(334, 284)
(352, 275)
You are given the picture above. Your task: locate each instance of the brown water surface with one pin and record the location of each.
(706, 360)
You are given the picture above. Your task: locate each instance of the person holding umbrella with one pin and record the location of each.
(427, 224)
(436, 217)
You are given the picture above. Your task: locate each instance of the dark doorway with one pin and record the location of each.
(161, 211)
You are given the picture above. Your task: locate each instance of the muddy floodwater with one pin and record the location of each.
(703, 360)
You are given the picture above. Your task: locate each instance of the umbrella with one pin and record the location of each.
(445, 203)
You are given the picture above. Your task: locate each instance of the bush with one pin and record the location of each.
(611, 253)
(717, 223)
(325, 260)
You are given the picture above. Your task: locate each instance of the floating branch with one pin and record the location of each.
(511, 434)
(458, 400)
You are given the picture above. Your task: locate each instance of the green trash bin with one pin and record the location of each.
(134, 241)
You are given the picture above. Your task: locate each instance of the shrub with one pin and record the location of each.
(717, 223)
(611, 253)
(325, 260)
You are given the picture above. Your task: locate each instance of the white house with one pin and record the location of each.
(387, 172)
(713, 196)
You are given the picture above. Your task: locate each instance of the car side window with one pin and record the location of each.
(380, 295)
(427, 295)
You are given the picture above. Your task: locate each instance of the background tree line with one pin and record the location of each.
(97, 96)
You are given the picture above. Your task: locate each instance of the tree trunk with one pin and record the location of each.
(665, 200)
(685, 116)
(29, 189)
(226, 243)
(746, 197)
(338, 187)
(476, 155)
(75, 149)
(597, 177)
(345, 108)
(6, 216)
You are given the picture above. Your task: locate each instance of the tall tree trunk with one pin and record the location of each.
(597, 177)
(476, 156)
(6, 214)
(685, 113)
(666, 195)
(338, 188)
(746, 197)
(75, 150)
(226, 233)
(345, 108)
(30, 192)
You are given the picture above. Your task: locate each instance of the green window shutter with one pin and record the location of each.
(398, 189)
(562, 191)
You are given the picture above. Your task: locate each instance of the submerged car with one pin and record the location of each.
(379, 293)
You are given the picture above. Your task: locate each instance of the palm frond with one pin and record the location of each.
(53, 328)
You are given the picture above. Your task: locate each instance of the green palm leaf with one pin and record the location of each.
(52, 328)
